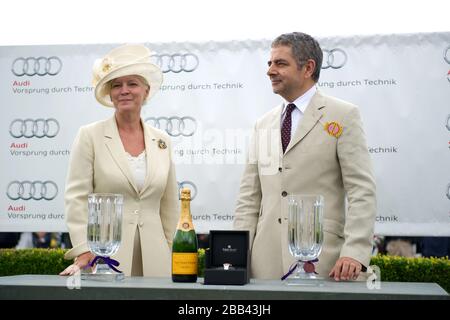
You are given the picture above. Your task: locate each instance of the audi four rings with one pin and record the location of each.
(447, 54)
(189, 185)
(448, 191)
(38, 128)
(448, 123)
(40, 66)
(174, 126)
(36, 190)
(334, 58)
(447, 59)
(177, 62)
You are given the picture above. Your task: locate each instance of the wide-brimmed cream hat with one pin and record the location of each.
(130, 59)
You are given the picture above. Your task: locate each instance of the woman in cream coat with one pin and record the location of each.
(124, 155)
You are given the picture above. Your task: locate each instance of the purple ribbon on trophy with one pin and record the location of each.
(308, 266)
(110, 262)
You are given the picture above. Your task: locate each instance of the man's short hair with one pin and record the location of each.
(304, 47)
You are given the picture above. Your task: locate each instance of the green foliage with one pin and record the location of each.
(201, 262)
(32, 261)
(402, 269)
(392, 268)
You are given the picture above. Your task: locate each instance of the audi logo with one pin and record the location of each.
(187, 184)
(334, 58)
(177, 62)
(174, 126)
(447, 54)
(36, 190)
(40, 66)
(38, 128)
(448, 191)
(448, 123)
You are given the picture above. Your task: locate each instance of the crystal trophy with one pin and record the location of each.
(104, 234)
(305, 234)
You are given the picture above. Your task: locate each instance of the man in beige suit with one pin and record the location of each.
(310, 144)
(124, 155)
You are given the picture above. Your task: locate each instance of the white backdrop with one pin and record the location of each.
(219, 89)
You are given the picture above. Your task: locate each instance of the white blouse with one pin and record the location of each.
(138, 167)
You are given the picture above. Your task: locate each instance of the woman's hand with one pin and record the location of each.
(80, 262)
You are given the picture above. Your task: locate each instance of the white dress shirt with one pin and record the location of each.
(297, 114)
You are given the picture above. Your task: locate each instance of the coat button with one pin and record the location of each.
(284, 193)
(280, 169)
(279, 220)
(136, 211)
(141, 224)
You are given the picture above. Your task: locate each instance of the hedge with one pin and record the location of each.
(402, 269)
(392, 268)
(32, 261)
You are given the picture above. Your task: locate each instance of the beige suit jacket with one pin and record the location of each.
(314, 162)
(98, 164)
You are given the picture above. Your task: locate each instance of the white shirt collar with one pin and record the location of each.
(302, 102)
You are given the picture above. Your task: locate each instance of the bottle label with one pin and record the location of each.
(184, 263)
(185, 224)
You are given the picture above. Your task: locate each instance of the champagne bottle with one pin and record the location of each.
(185, 245)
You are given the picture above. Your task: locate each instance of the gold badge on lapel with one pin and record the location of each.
(162, 144)
(333, 128)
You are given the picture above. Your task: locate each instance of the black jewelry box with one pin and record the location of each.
(227, 261)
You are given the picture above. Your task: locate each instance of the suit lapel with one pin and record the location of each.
(312, 115)
(115, 147)
(151, 150)
(276, 124)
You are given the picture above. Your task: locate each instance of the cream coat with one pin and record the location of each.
(99, 164)
(314, 162)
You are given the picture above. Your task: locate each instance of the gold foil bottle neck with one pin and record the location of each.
(185, 194)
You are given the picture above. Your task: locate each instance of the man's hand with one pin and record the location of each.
(80, 262)
(346, 268)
